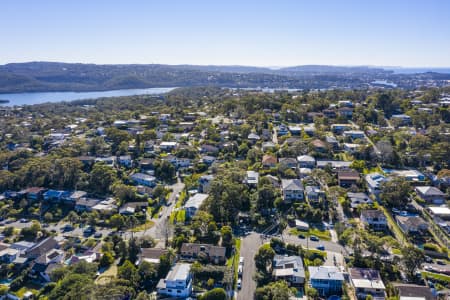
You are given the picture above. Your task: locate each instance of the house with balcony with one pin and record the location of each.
(194, 203)
(367, 282)
(374, 218)
(178, 282)
(289, 268)
(306, 161)
(373, 182)
(292, 190)
(431, 194)
(192, 251)
(327, 280)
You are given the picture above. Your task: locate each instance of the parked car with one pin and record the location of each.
(301, 236)
(98, 235)
(23, 220)
(314, 238)
(241, 261)
(240, 271)
(239, 284)
(321, 247)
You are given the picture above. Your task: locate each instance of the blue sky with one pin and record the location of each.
(262, 33)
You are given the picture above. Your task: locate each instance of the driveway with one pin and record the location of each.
(249, 246)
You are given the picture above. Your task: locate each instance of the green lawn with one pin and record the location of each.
(321, 234)
(142, 227)
(106, 276)
(393, 225)
(440, 277)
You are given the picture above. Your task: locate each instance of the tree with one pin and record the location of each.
(165, 262)
(117, 221)
(129, 272)
(278, 290)
(395, 192)
(72, 217)
(106, 260)
(412, 259)
(264, 258)
(101, 178)
(133, 250)
(164, 170)
(214, 294)
(227, 236)
(147, 273)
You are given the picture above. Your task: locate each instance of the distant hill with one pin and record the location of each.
(55, 76)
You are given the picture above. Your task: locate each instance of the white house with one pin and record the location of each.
(374, 218)
(143, 179)
(193, 204)
(289, 268)
(292, 190)
(178, 283)
(374, 181)
(367, 282)
(306, 161)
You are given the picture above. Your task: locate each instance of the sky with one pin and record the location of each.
(408, 33)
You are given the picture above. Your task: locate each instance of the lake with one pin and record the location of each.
(36, 98)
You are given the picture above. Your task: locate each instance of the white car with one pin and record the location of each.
(239, 284)
(241, 261)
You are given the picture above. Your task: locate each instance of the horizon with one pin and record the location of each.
(235, 65)
(410, 34)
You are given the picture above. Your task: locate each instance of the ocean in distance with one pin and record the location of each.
(37, 98)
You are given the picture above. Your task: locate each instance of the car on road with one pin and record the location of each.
(98, 235)
(314, 238)
(241, 261)
(239, 284)
(160, 215)
(240, 271)
(9, 221)
(321, 247)
(428, 259)
(88, 231)
(23, 220)
(441, 262)
(301, 236)
(67, 227)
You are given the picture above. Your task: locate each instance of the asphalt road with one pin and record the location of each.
(249, 246)
(329, 245)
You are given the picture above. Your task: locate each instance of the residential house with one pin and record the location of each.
(340, 128)
(8, 254)
(75, 196)
(269, 161)
(430, 194)
(210, 149)
(55, 196)
(125, 161)
(86, 204)
(34, 194)
(151, 255)
(374, 181)
(178, 282)
(295, 130)
(301, 225)
(146, 164)
(143, 179)
(411, 224)
(442, 212)
(209, 160)
(41, 247)
(253, 137)
(367, 282)
(194, 203)
(282, 130)
(327, 280)
(401, 119)
(352, 148)
(214, 254)
(168, 146)
(289, 268)
(329, 113)
(357, 199)
(354, 134)
(252, 178)
(288, 163)
(306, 161)
(334, 164)
(204, 183)
(273, 180)
(414, 292)
(374, 219)
(46, 263)
(292, 190)
(346, 112)
(266, 146)
(410, 175)
(319, 146)
(314, 194)
(348, 178)
(130, 208)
